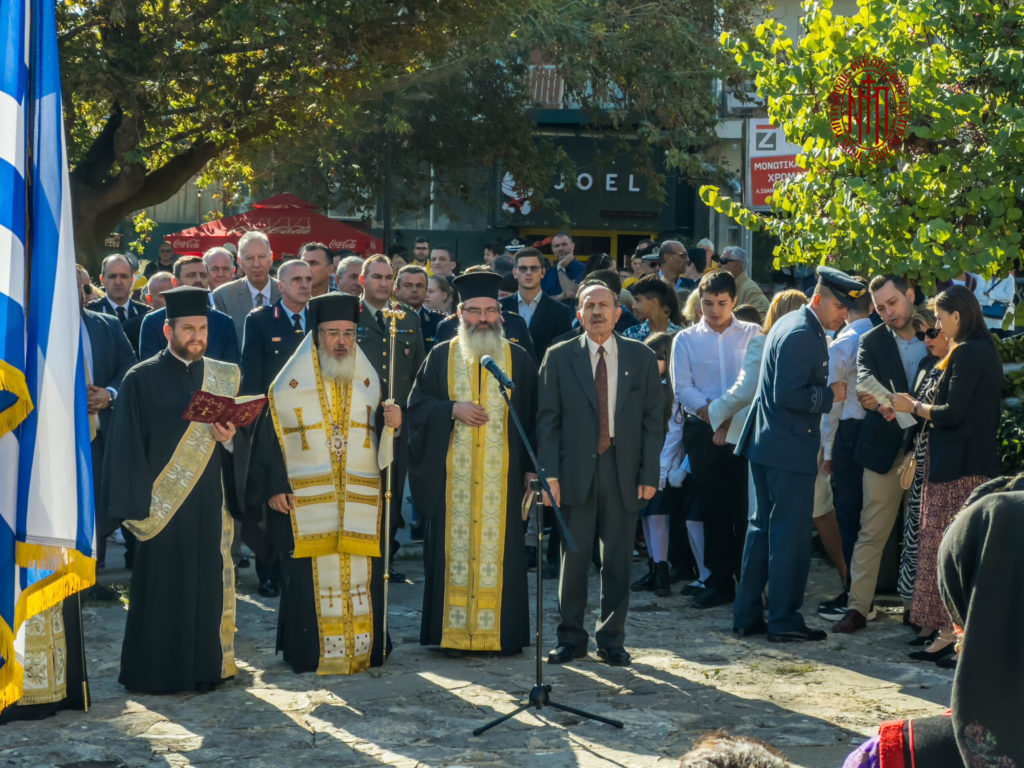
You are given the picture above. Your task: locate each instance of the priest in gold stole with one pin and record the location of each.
(172, 483)
(468, 475)
(317, 463)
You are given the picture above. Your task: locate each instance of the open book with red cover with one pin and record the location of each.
(208, 408)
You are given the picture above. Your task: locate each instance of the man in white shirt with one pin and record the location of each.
(706, 359)
(840, 429)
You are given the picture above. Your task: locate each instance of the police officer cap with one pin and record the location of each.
(515, 245)
(334, 306)
(186, 301)
(477, 285)
(843, 287)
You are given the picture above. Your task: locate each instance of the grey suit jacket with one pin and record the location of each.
(568, 424)
(235, 300)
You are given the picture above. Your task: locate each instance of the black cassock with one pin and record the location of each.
(172, 637)
(429, 420)
(298, 636)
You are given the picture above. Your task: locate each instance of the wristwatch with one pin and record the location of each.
(917, 404)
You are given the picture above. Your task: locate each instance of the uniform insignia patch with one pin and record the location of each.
(293, 383)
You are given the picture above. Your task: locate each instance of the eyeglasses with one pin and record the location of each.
(478, 311)
(931, 333)
(534, 268)
(726, 261)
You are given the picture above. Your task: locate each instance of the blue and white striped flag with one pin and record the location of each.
(47, 537)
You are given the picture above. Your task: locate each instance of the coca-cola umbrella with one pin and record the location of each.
(288, 221)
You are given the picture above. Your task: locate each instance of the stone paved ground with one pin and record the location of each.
(689, 675)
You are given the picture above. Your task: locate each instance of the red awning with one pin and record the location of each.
(288, 221)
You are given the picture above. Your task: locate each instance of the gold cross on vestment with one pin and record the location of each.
(367, 426)
(330, 597)
(360, 593)
(302, 428)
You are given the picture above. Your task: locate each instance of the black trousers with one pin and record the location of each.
(720, 482)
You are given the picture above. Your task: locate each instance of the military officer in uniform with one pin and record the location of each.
(781, 438)
(374, 338)
(272, 333)
(411, 289)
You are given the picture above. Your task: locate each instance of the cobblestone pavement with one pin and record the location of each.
(689, 675)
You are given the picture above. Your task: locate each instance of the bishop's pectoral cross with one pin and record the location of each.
(302, 428)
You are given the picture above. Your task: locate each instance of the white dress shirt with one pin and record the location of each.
(265, 290)
(842, 366)
(611, 362)
(705, 363)
(527, 308)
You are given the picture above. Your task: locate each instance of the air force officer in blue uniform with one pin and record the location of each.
(781, 439)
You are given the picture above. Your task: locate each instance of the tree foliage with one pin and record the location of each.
(159, 90)
(952, 197)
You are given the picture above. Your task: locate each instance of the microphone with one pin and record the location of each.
(488, 362)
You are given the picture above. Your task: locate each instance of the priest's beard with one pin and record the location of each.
(190, 351)
(343, 370)
(484, 338)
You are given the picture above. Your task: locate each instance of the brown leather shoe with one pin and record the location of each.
(850, 623)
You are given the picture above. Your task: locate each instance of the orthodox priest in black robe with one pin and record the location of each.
(171, 483)
(468, 478)
(316, 467)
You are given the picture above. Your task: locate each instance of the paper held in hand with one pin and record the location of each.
(872, 386)
(207, 408)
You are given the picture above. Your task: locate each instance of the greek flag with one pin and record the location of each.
(46, 503)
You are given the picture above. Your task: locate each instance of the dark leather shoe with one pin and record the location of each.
(243, 562)
(396, 576)
(565, 652)
(757, 628)
(711, 597)
(797, 635)
(935, 656)
(101, 593)
(269, 589)
(948, 662)
(616, 657)
(850, 623)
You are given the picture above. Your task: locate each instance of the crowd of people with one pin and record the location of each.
(676, 410)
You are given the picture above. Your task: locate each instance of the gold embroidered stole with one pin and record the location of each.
(46, 652)
(331, 462)
(176, 481)
(477, 503)
(180, 475)
(329, 443)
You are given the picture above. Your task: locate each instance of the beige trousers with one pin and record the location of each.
(883, 496)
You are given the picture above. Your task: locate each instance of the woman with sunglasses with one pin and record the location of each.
(959, 409)
(925, 382)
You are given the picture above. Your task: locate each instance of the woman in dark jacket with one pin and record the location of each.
(961, 420)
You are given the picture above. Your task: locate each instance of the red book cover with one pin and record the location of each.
(207, 408)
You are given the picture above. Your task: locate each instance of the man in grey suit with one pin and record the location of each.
(599, 432)
(240, 297)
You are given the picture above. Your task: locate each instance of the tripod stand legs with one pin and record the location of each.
(539, 698)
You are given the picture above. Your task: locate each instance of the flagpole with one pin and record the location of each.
(393, 314)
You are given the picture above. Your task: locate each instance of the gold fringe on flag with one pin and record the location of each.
(12, 380)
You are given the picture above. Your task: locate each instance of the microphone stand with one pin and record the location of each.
(539, 696)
